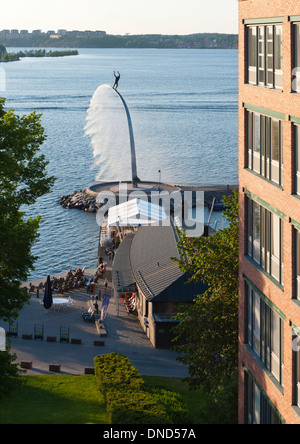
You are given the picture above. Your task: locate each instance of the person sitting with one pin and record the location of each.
(65, 287)
(31, 288)
(90, 286)
(70, 274)
(96, 307)
(89, 315)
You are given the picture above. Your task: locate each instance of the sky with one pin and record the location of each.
(122, 16)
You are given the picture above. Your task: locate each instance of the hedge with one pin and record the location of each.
(135, 407)
(114, 371)
(173, 404)
(129, 401)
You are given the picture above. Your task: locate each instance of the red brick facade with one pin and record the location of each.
(288, 103)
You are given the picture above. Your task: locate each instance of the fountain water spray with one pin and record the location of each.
(107, 128)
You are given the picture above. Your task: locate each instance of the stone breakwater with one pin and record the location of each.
(80, 200)
(85, 200)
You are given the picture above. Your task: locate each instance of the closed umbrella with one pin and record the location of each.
(48, 294)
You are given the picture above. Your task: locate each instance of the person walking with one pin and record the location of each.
(105, 283)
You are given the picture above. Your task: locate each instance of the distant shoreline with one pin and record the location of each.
(40, 53)
(106, 41)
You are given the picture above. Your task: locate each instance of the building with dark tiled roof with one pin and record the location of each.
(143, 270)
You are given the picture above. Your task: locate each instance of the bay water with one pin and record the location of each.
(184, 111)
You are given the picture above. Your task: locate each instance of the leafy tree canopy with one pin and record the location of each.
(23, 179)
(209, 327)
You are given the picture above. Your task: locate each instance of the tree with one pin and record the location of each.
(209, 327)
(9, 372)
(2, 52)
(23, 179)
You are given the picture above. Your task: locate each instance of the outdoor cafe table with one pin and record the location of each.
(60, 303)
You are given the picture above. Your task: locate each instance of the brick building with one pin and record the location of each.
(269, 187)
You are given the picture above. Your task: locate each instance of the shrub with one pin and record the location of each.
(173, 404)
(9, 373)
(135, 407)
(129, 401)
(115, 372)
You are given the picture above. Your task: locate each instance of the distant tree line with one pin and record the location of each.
(44, 53)
(197, 41)
(12, 57)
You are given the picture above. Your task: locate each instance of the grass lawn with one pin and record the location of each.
(69, 399)
(194, 399)
(55, 399)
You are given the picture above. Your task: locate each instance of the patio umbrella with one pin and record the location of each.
(48, 294)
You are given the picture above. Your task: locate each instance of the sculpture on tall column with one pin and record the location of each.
(117, 78)
(135, 179)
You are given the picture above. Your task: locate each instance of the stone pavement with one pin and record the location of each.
(124, 335)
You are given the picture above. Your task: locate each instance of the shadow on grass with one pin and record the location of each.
(55, 399)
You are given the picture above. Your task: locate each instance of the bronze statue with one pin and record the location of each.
(117, 78)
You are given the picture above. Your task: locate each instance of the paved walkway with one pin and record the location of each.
(124, 335)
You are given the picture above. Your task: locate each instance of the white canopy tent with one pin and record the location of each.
(135, 212)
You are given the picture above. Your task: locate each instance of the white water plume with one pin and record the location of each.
(108, 128)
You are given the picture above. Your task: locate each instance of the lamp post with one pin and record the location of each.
(159, 179)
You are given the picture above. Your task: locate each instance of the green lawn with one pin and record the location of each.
(194, 399)
(55, 399)
(67, 399)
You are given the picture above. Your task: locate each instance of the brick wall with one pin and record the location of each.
(288, 103)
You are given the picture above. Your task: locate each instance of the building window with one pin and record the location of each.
(297, 264)
(252, 55)
(264, 146)
(259, 408)
(264, 56)
(265, 333)
(297, 159)
(264, 235)
(296, 70)
(296, 358)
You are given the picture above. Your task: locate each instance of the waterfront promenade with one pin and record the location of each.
(124, 336)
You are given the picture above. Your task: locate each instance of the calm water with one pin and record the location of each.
(183, 105)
